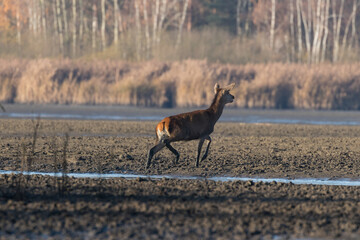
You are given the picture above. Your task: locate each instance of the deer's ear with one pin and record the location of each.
(216, 88)
(229, 87)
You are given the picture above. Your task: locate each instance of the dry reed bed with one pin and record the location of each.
(179, 84)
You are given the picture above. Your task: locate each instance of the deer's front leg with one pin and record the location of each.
(173, 150)
(201, 142)
(207, 148)
(152, 151)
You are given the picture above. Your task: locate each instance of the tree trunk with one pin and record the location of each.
(248, 6)
(147, 36)
(307, 36)
(81, 20)
(323, 16)
(353, 40)
(66, 29)
(74, 28)
(31, 16)
(55, 20)
(317, 29)
(272, 27)
(103, 24)
(60, 29)
(116, 24)
(309, 17)
(189, 23)
(326, 31)
(94, 26)
(138, 30)
(34, 17)
(238, 26)
(337, 25)
(121, 31)
(155, 21)
(43, 19)
(333, 3)
(162, 18)
(299, 25)
(292, 31)
(178, 40)
(18, 25)
(37, 16)
(344, 40)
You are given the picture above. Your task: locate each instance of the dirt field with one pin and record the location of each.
(34, 207)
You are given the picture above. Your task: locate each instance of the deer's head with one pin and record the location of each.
(224, 95)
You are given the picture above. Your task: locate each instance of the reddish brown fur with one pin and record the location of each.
(192, 125)
(188, 126)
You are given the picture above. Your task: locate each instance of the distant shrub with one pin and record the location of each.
(185, 83)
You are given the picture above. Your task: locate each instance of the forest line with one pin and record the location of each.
(235, 31)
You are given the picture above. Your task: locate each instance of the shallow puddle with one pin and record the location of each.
(313, 181)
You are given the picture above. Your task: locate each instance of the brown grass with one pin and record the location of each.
(180, 84)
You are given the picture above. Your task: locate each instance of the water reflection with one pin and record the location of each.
(313, 181)
(124, 113)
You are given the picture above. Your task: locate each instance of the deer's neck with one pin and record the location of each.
(216, 109)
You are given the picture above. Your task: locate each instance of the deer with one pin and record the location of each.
(191, 126)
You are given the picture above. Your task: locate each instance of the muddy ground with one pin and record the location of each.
(35, 207)
(266, 150)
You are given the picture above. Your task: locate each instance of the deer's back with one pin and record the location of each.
(187, 126)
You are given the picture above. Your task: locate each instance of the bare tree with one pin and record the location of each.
(247, 5)
(189, 25)
(346, 31)
(64, 12)
(138, 29)
(238, 26)
(309, 16)
(43, 18)
(55, 19)
(121, 27)
(81, 19)
(74, 28)
(18, 25)
(94, 27)
(336, 29)
(326, 31)
(183, 16)
(147, 35)
(307, 24)
(317, 32)
(59, 27)
(116, 24)
(155, 21)
(299, 26)
(353, 41)
(103, 24)
(292, 30)
(34, 16)
(272, 27)
(31, 16)
(162, 18)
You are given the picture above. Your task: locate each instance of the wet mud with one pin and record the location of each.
(44, 207)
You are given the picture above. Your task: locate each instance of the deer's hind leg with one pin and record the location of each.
(207, 148)
(173, 150)
(201, 142)
(152, 151)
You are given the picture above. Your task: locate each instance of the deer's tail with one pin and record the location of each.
(162, 133)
